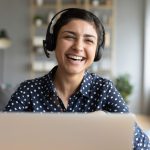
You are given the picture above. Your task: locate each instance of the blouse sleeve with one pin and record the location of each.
(141, 140)
(114, 101)
(20, 99)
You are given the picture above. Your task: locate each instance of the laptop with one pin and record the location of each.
(66, 131)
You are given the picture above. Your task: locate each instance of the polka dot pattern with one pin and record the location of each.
(95, 93)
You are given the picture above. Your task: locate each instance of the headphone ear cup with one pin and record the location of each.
(50, 42)
(100, 47)
(98, 53)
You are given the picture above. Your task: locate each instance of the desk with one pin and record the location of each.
(143, 121)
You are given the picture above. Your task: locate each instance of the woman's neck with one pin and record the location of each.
(66, 84)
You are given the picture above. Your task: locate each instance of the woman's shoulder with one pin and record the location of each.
(97, 79)
(34, 82)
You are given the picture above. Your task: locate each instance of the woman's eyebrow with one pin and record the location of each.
(73, 33)
(70, 32)
(89, 35)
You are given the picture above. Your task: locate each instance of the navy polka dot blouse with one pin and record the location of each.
(95, 93)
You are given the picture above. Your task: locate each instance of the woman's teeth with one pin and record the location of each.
(77, 58)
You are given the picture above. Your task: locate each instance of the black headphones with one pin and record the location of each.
(49, 42)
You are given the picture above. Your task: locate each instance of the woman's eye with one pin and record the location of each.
(69, 37)
(89, 41)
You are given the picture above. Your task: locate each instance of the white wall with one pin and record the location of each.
(129, 33)
(146, 75)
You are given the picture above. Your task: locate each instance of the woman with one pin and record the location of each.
(77, 38)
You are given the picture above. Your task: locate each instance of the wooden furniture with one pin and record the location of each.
(143, 121)
(41, 13)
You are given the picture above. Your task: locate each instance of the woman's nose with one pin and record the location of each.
(78, 45)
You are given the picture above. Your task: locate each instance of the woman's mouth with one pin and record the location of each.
(75, 57)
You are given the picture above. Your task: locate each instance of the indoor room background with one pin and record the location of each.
(131, 49)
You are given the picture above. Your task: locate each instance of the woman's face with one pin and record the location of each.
(76, 46)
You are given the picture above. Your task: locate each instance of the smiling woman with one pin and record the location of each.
(78, 38)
